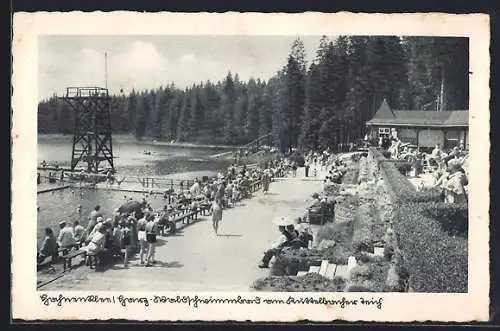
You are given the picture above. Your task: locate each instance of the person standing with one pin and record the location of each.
(294, 168)
(134, 237)
(266, 180)
(151, 233)
(216, 214)
(307, 164)
(141, 236)
(454, 187)
(126, 240)
(117, 237)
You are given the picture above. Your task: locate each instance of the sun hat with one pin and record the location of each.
(62, 223)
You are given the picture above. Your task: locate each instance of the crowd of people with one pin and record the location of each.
(450, 173)
(135, 230)
(448, 167)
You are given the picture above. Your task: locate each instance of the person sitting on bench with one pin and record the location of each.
(284, 240)
(79, 231)
(49, 247)
(304, 235)
(97, 242)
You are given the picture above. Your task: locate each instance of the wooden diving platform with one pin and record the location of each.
(52, 189)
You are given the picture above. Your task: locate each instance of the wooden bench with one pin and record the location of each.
(184, 217)
(68, 258)
(97, 260)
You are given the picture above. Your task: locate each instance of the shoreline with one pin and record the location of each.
(145, 141)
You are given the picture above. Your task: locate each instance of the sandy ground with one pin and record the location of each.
(198, 260)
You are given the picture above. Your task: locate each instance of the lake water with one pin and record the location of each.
(165, 160)
(130, 158)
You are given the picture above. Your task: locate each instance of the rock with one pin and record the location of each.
(351, 263)
(326, 243)
(392, 281)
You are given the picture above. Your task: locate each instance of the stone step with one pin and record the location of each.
(314, 269)
(330, 270)
(351, 263)
(322, 268)
(341, 271)
(378, 251)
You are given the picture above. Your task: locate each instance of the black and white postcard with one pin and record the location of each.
(246, 166)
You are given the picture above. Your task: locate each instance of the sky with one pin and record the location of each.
(144, 62)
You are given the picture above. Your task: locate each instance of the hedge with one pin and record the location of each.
(362, 239)
(437, 262)
(403, 167)
(453, 218)
(428, 194)
(400, 187)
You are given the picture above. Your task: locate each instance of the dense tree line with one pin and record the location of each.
(320, 104)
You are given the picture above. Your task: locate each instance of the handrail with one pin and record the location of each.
(257, 140)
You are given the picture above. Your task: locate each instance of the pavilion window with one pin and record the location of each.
(452, 139)
(384, 132)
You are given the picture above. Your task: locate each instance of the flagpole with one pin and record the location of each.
(106, 69)
(441, 98)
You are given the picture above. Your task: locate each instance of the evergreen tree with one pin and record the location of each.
(320, 105)
(183, 118)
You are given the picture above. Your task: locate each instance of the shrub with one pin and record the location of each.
(454, 218)
(351, 175)
(298, 158)
(362, 238)
(386, 154)
(338, 254)
(428, 194)
(308, 283)
(399, 186)
(403, 167)
(338, 232)
(436, 262)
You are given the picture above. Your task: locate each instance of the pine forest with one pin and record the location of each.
(304, 105)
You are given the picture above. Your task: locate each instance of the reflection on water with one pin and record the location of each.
(131, 160)
(164, 160)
